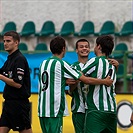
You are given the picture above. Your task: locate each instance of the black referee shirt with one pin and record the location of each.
(16, 67)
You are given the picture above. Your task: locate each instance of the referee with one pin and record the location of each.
(15, 73)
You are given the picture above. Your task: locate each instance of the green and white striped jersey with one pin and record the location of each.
(100, 97)
(53, 74)
(78, 96)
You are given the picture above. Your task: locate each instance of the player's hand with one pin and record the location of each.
(70, 81)
(114, 63)
(108, 81)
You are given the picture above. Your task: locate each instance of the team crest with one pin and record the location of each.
(20, 77)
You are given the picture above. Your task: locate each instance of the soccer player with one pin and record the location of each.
(101, 114)
(78, 104)
(16, 75)
(78, 96)
(53, 74)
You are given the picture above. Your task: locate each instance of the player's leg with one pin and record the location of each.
(4, 120)
(4, 129)
(56, 124)
(113, 126)
(51, 124)
(111, 123)
(20, 117)
(105, 131)
(43, 123)
(94, 122)
(26, 131)
(78, 122)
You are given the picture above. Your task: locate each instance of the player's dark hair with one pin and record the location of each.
(82, 40)
(107, 44)
(14, 35)
(57, 44)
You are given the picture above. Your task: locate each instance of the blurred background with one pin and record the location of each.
(38, 21)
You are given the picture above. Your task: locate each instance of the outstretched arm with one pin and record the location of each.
(94, 81)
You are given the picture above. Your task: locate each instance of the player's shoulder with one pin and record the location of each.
(76, 63)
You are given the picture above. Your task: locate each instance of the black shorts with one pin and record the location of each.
(16, 115)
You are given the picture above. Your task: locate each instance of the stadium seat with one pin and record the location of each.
(41, 47)
(47, 29)
(67, 29)
(130, 76)
(127, 29)
(108, 27)
(120, 72)
(2, 46)
(8, 27)
(23, 46)
(119, 51)
(130, 56)
(86, 29)
(28, 29)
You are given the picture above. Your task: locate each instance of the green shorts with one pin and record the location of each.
(51, 124)
(100, 122)
(78, 122)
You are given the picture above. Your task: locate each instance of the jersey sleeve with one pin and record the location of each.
(19, 70)
(71, 72)
(89, 66)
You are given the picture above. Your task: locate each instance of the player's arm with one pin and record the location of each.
(72, 87)
(10, 81)
(72, 83)
(94, 81)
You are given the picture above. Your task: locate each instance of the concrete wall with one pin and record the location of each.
(60, 11)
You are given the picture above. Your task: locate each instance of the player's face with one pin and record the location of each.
(9, 44)
(83, 49)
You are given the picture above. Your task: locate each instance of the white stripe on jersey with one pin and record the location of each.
(57, 92)
(41, 100)
(89, 62)
(97, 89)
(112, 107)
(66, 112)
(70, 70)
(47, 111)
(104, 98)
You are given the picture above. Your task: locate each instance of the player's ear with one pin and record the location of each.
(64, 49)
(76, 50)
(99, 47)
(16, 43)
